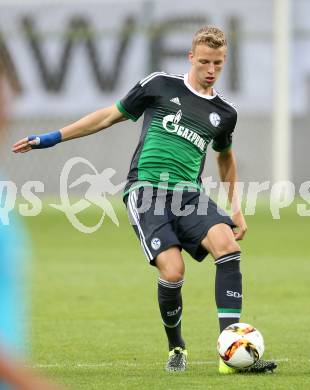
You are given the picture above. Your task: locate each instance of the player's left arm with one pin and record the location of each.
(228, 174)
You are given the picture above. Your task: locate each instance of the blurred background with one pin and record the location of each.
(63, 59)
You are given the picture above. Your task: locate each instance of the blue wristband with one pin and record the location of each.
(45, 140)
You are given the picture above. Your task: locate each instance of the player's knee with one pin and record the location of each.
(173, 271)
(173, 276)
(226, 247)
(170, 265)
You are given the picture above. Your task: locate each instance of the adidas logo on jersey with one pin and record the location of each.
(176, 100)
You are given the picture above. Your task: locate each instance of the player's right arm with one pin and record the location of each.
(87, 125)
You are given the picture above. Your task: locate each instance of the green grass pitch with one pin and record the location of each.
(96, 324)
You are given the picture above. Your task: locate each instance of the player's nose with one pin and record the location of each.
(211, 68)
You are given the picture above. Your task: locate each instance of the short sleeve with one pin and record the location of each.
(223, 142)
(133, 105)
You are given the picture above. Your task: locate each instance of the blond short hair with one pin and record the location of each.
(211, 36)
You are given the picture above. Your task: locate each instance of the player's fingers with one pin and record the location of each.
(20, 142)
(236, 235)
(19, 147)
(26, 149)
(239, 235)
(16, 149)
(23, 146)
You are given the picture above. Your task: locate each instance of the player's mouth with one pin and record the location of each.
(210, 79)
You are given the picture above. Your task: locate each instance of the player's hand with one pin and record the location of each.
(23, 146)
(241, 229)
(41, 141)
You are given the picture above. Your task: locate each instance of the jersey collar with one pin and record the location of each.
(187, 84)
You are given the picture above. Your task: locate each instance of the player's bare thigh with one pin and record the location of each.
(220, 241)
(170, 264)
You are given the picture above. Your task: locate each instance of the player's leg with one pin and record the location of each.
(220, 242)
(171, 275)
(161, 247)
(209, 229)
(171, 269)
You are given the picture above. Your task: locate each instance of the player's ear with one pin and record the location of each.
(225, 54)
(190, 56)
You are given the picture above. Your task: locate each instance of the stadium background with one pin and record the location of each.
(63, 59)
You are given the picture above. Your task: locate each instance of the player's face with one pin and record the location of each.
(207, 64)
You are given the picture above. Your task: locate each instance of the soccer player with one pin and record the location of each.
(164, 196)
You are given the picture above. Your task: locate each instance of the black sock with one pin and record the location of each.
(170, 305)
(228, 289)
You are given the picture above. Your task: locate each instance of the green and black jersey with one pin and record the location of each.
(179, 123)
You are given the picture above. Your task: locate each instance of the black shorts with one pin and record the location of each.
(162, 219)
